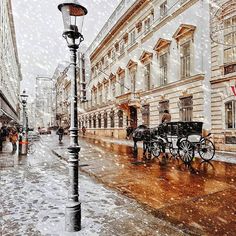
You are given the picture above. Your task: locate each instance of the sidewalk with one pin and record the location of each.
(201, 199)
(34, 195)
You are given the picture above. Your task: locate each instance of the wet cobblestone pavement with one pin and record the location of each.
(33, 195)
(200, 197)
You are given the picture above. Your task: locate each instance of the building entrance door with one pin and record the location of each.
(133, 117)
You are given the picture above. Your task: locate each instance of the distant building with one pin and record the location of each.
(43, 104)
(149, 56)
(61, 104)
(10, 73)
(223, 82)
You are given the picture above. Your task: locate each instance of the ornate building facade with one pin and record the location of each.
(223, 82)
(149, 57)
(10, 74)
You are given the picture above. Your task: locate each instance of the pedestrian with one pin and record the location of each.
(3, 136)
(13, 139)
(83, 130)
(60, 132)
(166, 117)
(129, 131)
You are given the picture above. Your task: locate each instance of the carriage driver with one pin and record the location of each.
(166, 117)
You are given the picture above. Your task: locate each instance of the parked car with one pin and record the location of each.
(33, 136)
(44, 131)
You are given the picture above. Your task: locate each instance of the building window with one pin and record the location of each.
(94, 121)
(112, 119)
(132, 37)
(230, 42)
(90, 122)
(133, 80)
(100, 67)
(100, 95)
(95, 71)
(230, 115)
(186, 109)
(105, 119)
(146, 115)
(113, 88)
(185, 59)
(147, 76)
(163, 105)
(122, 47)
(163, 9)
(163, 69)
(120, 118)
(147, 25)
(106, 93)
(122, 83)
(113, 54)
(99, 121)
(79, 124)
(106, 61)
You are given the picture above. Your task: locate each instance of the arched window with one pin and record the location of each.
(99, 120)
(94, 121)
(230, 115)
(120, 118)
(90, 122)
(105, 119)
(112, 119)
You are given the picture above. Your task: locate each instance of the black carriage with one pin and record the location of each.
(182, 139)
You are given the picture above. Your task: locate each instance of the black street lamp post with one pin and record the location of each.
(72, 14)
(23, 143)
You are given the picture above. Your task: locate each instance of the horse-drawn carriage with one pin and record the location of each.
(183, 139)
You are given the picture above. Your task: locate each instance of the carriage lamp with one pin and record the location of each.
(72, 14)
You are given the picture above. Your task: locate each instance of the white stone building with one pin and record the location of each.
(43, 104)
(223, 82)
(10, 74)
(150, 56)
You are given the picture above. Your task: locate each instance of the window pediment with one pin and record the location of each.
(99, 85)
(146, 56)
(131, 64)
(94, 88)
(112, 76)
(104, 81)
(120, 71)
(125, 37)
(162, 44)
(183, 31)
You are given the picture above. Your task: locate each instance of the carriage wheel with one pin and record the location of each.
(206, 149)
(156, 150)
(186, 151)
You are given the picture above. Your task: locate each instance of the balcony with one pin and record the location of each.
(128, 99)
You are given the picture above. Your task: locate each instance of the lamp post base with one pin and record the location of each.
(73, 217)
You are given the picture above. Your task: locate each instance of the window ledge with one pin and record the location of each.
(147, 36)
(121, 55)
(132, 47)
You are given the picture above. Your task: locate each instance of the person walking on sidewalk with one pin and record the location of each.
(13, 139)
(60, 132)
(3, 136)
(83, 130)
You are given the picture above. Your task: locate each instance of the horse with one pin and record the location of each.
(145, 134)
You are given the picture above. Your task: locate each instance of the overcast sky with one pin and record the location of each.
(39, 27)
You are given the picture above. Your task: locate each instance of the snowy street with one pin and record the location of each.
(172, 199)
(33, 196)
